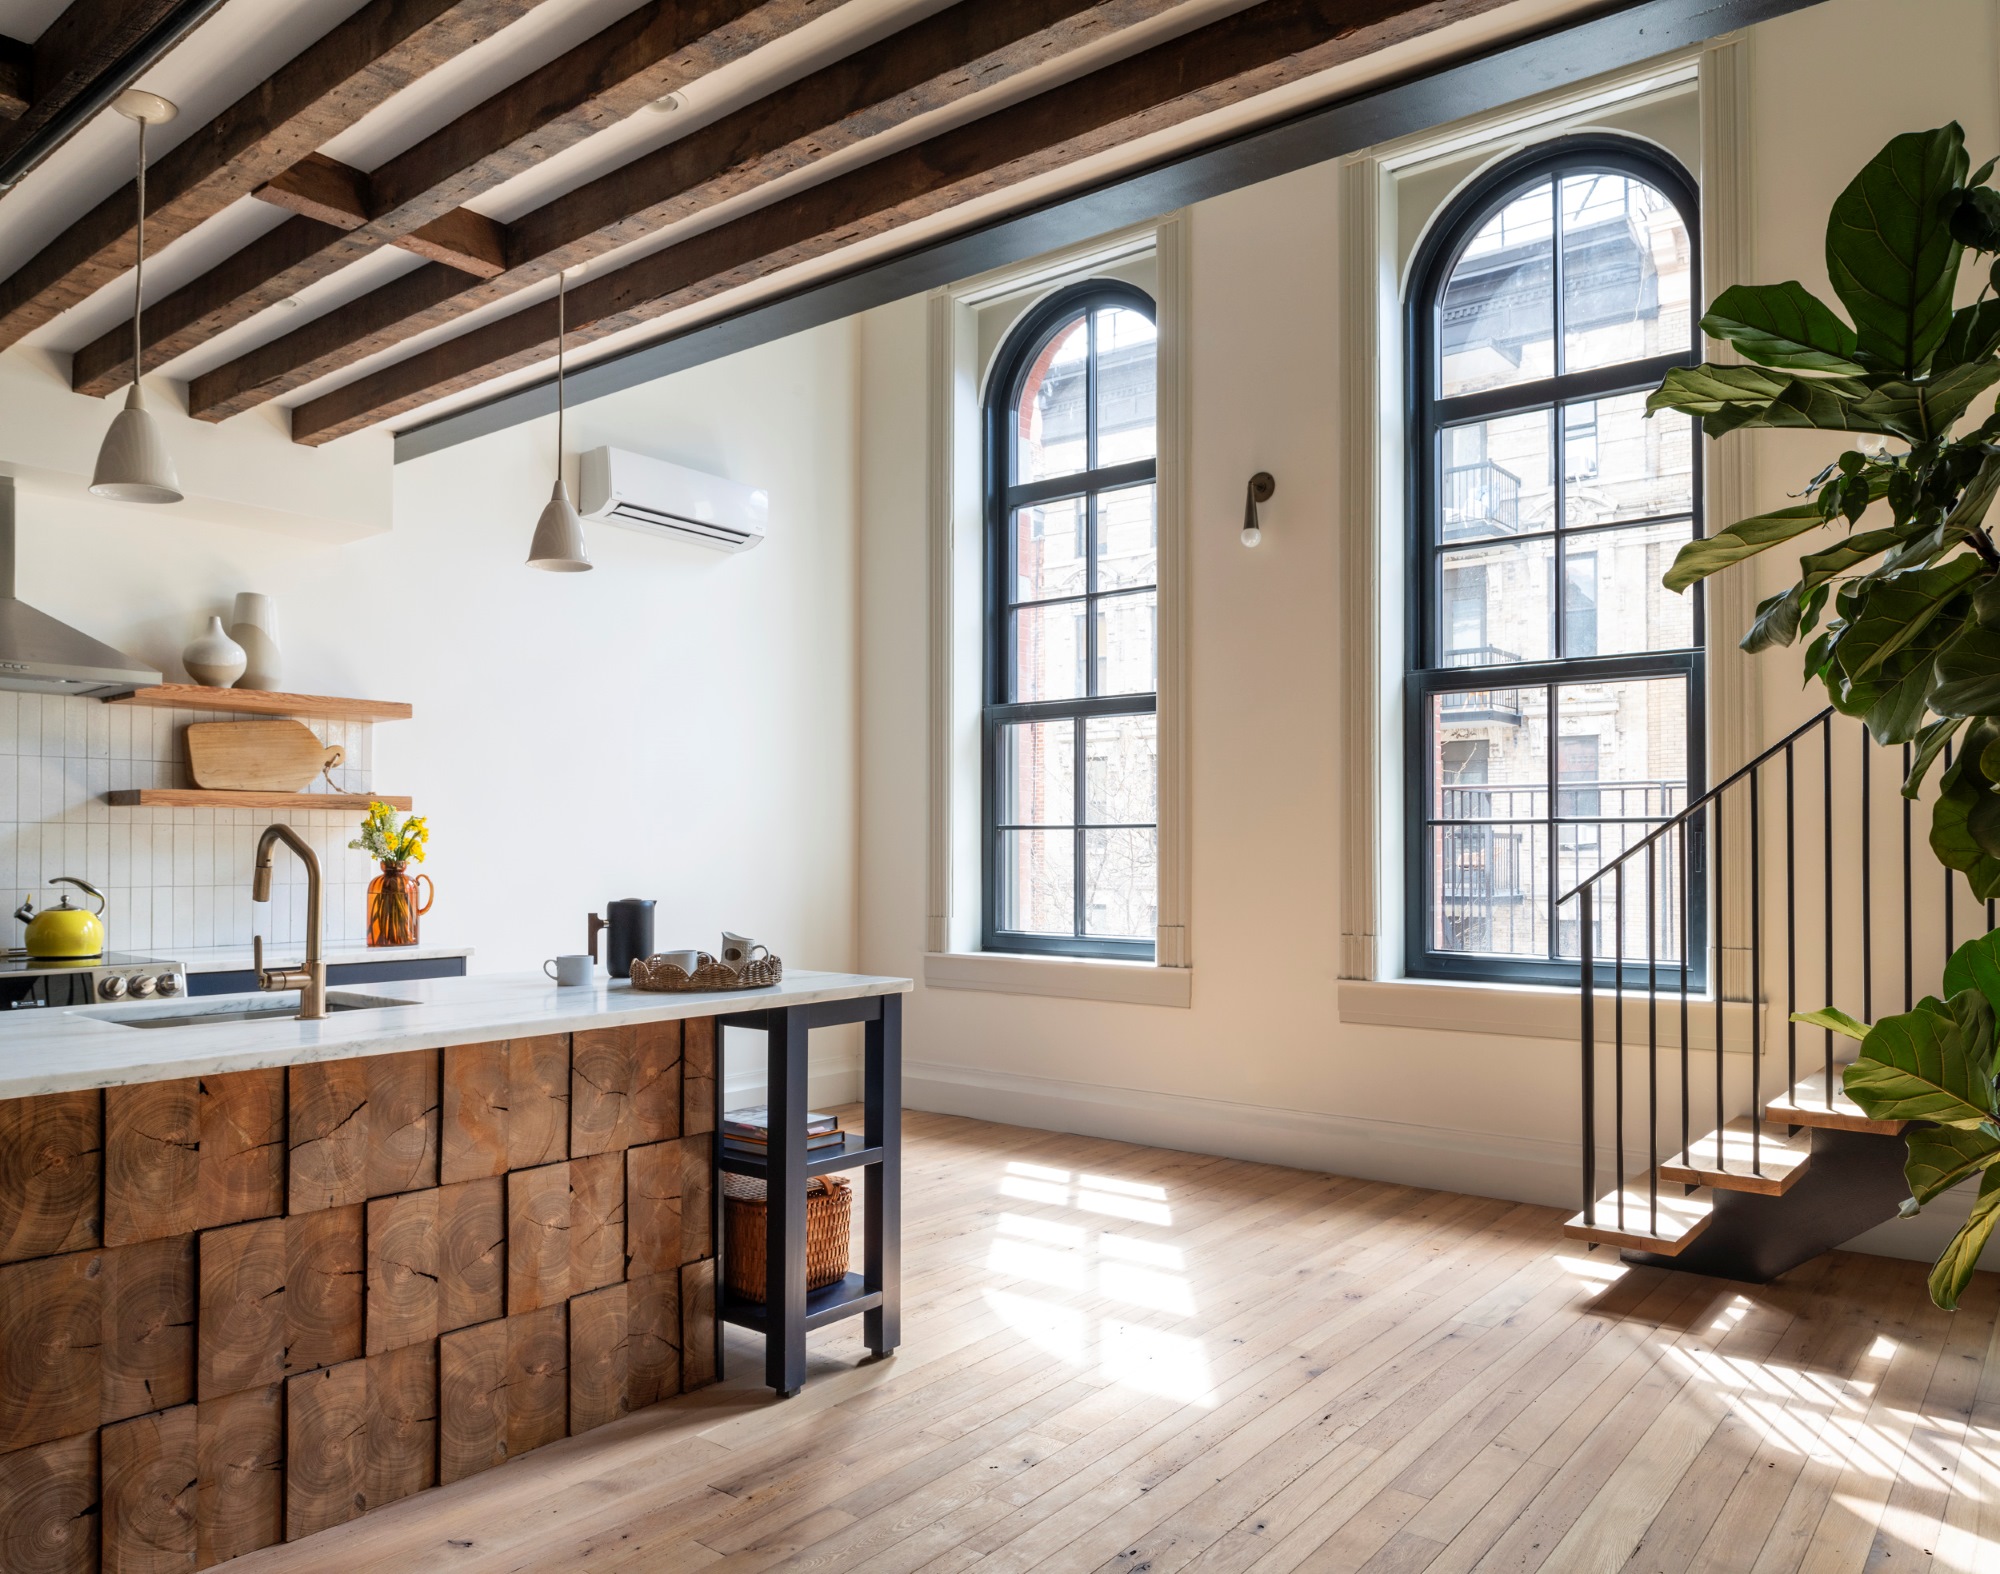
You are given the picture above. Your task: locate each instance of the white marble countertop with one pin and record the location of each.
(237, 958)
(62, 1050)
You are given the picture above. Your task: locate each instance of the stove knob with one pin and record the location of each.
(168, 984)
(112, 988)
(141, 985)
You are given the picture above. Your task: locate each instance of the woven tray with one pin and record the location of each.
(656, 975)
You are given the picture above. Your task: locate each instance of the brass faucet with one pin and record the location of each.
(310, 980)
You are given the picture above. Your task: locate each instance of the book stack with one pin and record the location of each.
(748, 1132)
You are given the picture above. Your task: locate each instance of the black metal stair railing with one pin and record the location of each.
(1784, 884)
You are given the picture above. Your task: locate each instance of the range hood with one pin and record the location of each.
(38, 655)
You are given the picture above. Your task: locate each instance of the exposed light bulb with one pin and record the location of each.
(1252, 535)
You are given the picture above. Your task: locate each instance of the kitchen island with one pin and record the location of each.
(259, 1275)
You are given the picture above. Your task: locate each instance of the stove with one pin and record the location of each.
(29, 982)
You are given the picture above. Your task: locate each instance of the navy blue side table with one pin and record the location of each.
(876, 1292)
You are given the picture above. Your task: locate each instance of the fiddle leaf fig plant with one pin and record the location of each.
(1938, 1067)
(1898, 594)
(1897, 600)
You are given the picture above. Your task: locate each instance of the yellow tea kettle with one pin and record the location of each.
(65, 931)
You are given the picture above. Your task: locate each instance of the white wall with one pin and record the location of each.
(1262, 1065)
(677, 724)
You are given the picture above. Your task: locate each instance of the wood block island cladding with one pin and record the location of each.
(241, 1307)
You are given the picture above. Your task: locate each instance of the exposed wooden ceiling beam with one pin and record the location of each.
(74, 51)
(1225, 63)
(17, 77)
(377, 51)
(926, 66)
(414, 199)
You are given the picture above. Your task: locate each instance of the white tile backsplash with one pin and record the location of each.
(173, 878)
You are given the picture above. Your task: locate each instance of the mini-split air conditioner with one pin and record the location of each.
(666, 499)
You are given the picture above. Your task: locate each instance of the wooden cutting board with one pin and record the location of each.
(257, 756)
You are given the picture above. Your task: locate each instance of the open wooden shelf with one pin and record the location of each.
(205, 798)
(264, 702)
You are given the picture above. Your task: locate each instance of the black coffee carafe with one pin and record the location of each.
(630, 937)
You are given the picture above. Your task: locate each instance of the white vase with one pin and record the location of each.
(215, 660)
(254, 626)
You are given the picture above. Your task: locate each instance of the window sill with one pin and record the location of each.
(1070, 978)
(1540, 1011)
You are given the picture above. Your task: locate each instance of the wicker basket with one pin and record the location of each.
(656, 975)
(829, 1211)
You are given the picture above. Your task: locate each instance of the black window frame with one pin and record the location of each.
(1024, 344)
(1428, 414)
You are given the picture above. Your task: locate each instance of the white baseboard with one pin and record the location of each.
(1525, 1169)
(1484, 1164)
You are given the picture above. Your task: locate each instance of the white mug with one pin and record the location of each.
(571, 972)
(686, 961)
(739, 951)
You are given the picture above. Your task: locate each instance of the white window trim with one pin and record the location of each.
(957, 545)
(1372, 301)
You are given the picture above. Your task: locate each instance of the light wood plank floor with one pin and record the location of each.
(1127, 1359)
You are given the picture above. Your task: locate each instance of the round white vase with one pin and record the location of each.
(215, 661)
(254, 626)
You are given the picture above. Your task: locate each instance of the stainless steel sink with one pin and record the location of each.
(181, 1013)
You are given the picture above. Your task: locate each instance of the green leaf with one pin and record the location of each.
(1969, 512)
(1706, 389)
(1820, 567)
(1930, 743)
(1952, 839)
(1933, 1063)
(1744, 539)
(1832, 1017)
(1783, 325)
(1827, 404)
(1968, 674)
(1976, 965)
(1973, 335)
(1889, 250)
(1942, 1156)
(1975, 218)
(1776, 623)
(1955, 1266)
(1899, 608)
(1920, 410)
(1982, 823)
(1895, 712)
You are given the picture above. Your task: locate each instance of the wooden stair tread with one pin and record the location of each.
(1807, 1105)
(1682, 1216)
(1777, 1159)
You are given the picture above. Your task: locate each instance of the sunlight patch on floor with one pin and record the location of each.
(1606, 1270)
(1129, 1269)
(1816, 1416)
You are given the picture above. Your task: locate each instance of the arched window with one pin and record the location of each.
(1071, 738)
(1554, 698)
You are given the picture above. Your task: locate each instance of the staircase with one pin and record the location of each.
(1802, 880)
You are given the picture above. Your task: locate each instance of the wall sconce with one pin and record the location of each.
(1260, 490)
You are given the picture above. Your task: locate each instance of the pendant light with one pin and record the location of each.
(558, 544)
(134, 466)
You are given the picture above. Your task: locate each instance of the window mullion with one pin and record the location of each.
(1549, 829)
(1076, 823)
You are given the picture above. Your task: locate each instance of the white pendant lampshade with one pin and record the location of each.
(134, 466)
(558, 545)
